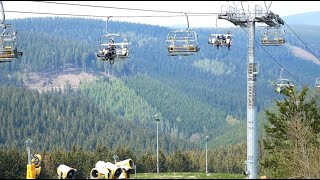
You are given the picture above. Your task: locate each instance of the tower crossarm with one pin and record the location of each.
(236, 20)
(271, 19)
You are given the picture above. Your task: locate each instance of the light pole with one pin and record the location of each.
(115, 157)
(29, 143)
(157, 119)
(31, 172)
(135, 170)
(207, 139)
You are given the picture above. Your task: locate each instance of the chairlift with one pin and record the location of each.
(318, 84)
(282, 83)
(113, 46)
(8, 45)
(223, 40)
(182, 42)
(272, 36)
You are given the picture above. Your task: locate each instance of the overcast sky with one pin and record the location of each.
(283, 8)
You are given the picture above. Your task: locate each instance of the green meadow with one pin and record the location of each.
(187, 175)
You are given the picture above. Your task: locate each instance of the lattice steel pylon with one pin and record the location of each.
(239, 17)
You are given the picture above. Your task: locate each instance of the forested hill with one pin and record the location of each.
(307, 18)
(200, 95)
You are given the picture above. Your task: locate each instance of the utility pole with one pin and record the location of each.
(238, 17)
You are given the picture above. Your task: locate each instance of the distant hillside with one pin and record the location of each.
(310, 18)
(199, 95)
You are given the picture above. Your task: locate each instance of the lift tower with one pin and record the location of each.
(237, 15)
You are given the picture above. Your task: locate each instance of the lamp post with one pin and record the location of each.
(29, 143)
(135, 170)
(157, 119)
(207, 139)
(31, 172)
(115, 157)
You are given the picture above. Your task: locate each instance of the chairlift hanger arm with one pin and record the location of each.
(281, 73)
(2, 12)
(107, 23)
(187, 20)
(217, 22)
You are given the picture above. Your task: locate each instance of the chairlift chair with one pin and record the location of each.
(223, 40)
(318, 84)
(282, 83)
(8, 45)
(182, 43)
(272, 36)
(113, 46)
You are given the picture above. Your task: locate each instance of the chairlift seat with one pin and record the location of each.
(273, 42)
(182, 50)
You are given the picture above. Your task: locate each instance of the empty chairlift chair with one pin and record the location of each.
(8, 45)
(182, 43)
(272, 36)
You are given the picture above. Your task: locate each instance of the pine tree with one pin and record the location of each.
(292, 138)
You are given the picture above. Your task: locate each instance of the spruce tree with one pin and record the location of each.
(292, 137)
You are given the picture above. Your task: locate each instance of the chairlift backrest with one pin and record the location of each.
(7, 31)
(114, 39)
(182, 35)
(7, 37)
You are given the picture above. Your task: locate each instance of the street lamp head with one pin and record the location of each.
(207, 138)
(28, 142)
(156, 117)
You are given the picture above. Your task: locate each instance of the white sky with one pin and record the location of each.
(283, 8)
